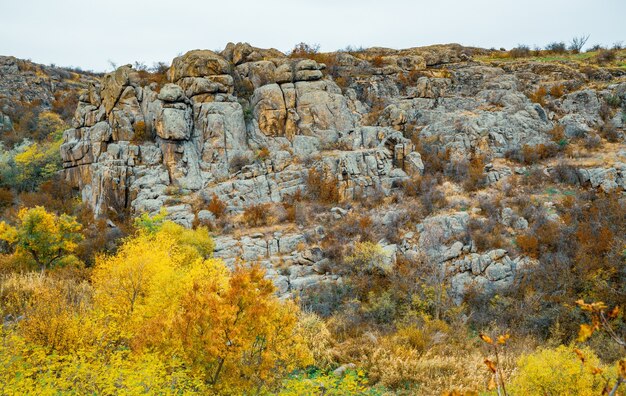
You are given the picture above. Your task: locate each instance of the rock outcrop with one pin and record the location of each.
(248, 125)
(132, 145)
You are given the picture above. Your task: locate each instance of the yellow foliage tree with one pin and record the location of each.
(36, 163)
(44, 236)
(164, 293)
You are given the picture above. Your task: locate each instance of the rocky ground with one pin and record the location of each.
(25, 85)
(316, 142)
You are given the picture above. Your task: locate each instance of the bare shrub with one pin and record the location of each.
(609, 131)
(238, 162)
(425, 188)
(578, 43)
(304, 50)
(556, 47)
(521, 51)
(257, 215)
(323, 186)
(566, 174)
(532, 154)
(606, 56)
(592, 141)
(487, 234)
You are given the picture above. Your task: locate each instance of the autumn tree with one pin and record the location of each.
(164, 293)
(44, 236)
(236, 332)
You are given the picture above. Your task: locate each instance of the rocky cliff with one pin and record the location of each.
(248, 125)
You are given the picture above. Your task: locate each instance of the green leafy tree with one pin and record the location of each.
(44, 236)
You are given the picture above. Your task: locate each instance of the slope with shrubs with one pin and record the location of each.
(116, 306)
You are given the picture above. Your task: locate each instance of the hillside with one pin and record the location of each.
(27, 88)
(407, 200)
(259, 131)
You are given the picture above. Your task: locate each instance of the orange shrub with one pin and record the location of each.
(343, 81)
(531, 154)
(290, 211)
(263, 154)
(487, 235)
(557, 134)
(308, 51)
(410, 78)
(378, 61)
(595, 241)
(217, 206)
(529, 245)
(557, 90)
(434, 159)
(6, 197)
(146, 78)
(539, 96)
(475, 177)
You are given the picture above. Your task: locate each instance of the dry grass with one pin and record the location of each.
(430, 359)
(608, 58)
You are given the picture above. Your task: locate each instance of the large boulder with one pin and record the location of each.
(174, 123)
(197, 63)
(171, 93)
(114, 83)
(270, 109)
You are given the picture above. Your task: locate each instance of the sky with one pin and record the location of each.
(93, 35)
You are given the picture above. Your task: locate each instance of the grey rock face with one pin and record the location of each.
(606, 179)
(444, 242)
(487, 272)
(302, 269)
(201, 131)
(248, 125)
(174, 124)
(171, 93)
(443, 237)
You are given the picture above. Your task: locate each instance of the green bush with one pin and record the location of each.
(316, 383)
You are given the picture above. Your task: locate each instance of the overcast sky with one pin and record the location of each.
(89, 34)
